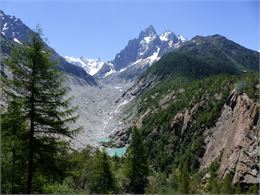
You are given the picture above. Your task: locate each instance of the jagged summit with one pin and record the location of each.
(140, 53)
(148, 31)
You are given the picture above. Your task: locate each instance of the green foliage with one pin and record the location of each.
(36, 157)
(203, 57)
(90, 172)
(58, 188)
(136, 164)
(205, 96)
(213, 185)
(103, 180)
(13, 146)
(46, 115)
(80, 170)
(173, 140)
(178, 64)
(238, 189)
(183, 176)
(247, 84)
(254, 189)
(226, 186)
(159, 183)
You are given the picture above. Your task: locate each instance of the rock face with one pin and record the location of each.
(137, 88)
(234, 139)
(139, 54)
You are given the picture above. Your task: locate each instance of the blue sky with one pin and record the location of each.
(102, 28)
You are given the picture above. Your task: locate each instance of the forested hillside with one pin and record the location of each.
(189, 123)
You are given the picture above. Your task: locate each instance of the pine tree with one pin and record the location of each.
(103, 180)
(137, 168)
(13, 127)
(39, 85)
(107, 183)
(183, 176)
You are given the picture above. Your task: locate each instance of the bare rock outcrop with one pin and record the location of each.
(137, 88)
(184, 118)
(234, 139)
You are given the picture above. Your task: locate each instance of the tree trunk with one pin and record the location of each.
(31, 135)
(30, 163)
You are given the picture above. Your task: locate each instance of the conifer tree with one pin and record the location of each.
(13, 147)
(183, 176)
(103, 180)
(137, 167)
(38, 84)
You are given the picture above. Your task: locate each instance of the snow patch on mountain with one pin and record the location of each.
(91, 66)
(139, 54)
(5, 27)
(123, 69)
(112, 70)
(182, 38)
(148, 39)
(149, 60)
(155, 56)
(145, 43)
(165, 36)
(17, 41)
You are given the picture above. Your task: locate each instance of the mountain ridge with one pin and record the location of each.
(15, 32)
(91, 66)
(139, 54)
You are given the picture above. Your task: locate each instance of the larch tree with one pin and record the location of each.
(46, 107)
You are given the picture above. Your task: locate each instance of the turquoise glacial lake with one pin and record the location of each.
(112, 151)
(116, 151)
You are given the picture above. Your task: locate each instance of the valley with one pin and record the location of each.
(99, 113)
(166, 115)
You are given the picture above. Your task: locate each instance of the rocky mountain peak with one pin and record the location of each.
(140, 53)
(168, 35)
(13, 28)
(149, 31)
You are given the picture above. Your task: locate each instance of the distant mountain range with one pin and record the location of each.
(198, 103)
(133, 60)
(194, 100)
(198, 58)
(91, 66)
(127, 65)
(14, 33)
